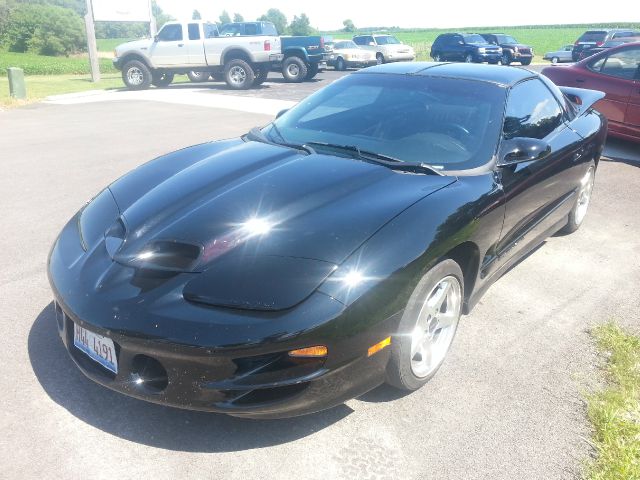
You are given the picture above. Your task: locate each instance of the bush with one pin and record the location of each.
(44, 29)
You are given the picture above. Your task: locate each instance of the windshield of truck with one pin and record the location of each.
(343, 45)
(474, 39)
(506, 39)
(387, 40)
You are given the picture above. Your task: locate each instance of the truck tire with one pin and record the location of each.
(340, 64)
(312, 71)
(506, 58)
(526, 62)
(261, 75)
(239, 75)
(198, 77)
(161, 79)
(136, 75)
(294, 69)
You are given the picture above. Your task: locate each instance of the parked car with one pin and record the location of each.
(560, 56)
(466, 47)
(196, 46)
(307, 262)
(304, 57)
(512, 51)
(346, 54)
(606, 45)
(386, 48)
(616, 72)
(596, 38)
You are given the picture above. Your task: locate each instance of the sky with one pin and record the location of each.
(329, 14)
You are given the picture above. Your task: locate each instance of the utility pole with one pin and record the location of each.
(92, 45)
(153, 28)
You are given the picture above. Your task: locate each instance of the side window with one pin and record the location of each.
(170, 33)
(194, 31)
(532, 111)
(445, 41)
(359, 40)
(251, 29)
(370, 40)
(622, 64)
(210, 30)
(456, 39)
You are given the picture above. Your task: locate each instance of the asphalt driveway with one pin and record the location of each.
(507, 403)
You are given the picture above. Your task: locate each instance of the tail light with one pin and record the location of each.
(267, 45)
(599, 44)
(321, 43)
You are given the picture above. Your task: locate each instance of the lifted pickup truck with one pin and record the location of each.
(180, 48)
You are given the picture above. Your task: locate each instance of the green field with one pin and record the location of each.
(109, 44)
(542, 38)
(33, 64)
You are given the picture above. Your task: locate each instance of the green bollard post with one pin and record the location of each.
(17, 88)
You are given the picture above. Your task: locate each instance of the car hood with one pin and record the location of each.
(135, 45)
(248, 199)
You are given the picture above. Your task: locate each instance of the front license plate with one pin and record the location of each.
(100, 349)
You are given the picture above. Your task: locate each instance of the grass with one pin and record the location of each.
(542, 38)
(109, 44)
(615, 411)
(34, 64)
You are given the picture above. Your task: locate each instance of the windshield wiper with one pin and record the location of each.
(380, 159)
(257, 135)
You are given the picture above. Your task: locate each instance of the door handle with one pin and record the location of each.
(181, 44)
(579, 80)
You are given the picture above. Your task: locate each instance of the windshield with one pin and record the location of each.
(451, 124)
(387, 40)
(474, 39)
(506, 39)
(594, 36)
(343, 45)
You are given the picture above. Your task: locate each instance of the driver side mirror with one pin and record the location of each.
(281, 112)
(372, 44)
(155, 38)
(522, 149)
(460, 42)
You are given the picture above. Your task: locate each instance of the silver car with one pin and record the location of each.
(347, 54)
(559, 56)
(387, 48)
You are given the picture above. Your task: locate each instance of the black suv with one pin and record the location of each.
(596, 38)
(467, 47)
(512, 51)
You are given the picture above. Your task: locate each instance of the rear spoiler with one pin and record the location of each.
(582, 98)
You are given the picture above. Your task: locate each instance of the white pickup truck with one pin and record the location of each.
(180, 48)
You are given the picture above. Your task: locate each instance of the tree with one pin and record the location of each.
(238, 18)
(276, 17)
(300, 25)
(160, 16)
(224, 17)
(349, 26)
(45, 29)
(196, 15)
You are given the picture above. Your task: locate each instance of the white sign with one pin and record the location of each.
(121, 10)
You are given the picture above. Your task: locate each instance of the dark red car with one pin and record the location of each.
(616, 72)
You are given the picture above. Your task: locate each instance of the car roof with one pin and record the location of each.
(505, 76)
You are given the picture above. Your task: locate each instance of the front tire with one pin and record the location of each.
(506, 59)
(162, 79)
(136, 75)
(379, 58)
(555, 60)
(294, 69)
(427, 327)
(437, 57)
(526, 62)
(579, 210)
(312, 71)
(341, 65)
(468, 58)
(239, 75)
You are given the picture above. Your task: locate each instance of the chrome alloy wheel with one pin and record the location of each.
(237, 75)
(293, 69)
(135, 76)
(435, 326)
(584, 195)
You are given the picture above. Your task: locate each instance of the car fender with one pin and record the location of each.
(296, 52)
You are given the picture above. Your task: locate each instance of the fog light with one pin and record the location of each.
(316, 351)
(379, 346)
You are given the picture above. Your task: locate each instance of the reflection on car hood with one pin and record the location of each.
(259, 199)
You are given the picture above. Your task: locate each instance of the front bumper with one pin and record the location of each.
(399, 57)
(488, 57)
(207, 358)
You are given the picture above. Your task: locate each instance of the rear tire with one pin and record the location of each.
(379, 58)
(312, 71)
(580, 207)
(198, 77)
(526, 62)
(161, 79)
(136, 75)
(427, 327)
(239, 75)
(294, 69)
(506, 59)
(555, 60)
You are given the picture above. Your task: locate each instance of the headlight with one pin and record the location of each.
(482, 50)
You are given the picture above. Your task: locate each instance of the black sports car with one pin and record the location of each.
(307, 262)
